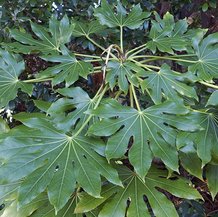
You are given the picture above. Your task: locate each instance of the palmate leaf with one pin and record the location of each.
(11, 68)
(166, 83)
(134, 192)
(48, 158)
(207, 52)
(167, 35)
(108, 17)
(75, 100)
(86, 29)
(149, 128)
(49, 40)
(69, 69)
(122, 73)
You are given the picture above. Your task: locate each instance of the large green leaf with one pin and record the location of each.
(167, 35)
(11, 68)
(48, 158)
(69, 69)
(149, 128)
(123, 74)
(49, 40)
(86, 29)
(207, 52)
(166, 83)
(108, 17)
(134, 192)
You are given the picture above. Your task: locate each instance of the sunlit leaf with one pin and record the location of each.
(166, 83)
(149, 129)
(50, 159)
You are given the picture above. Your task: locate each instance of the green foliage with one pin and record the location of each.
(114, 150)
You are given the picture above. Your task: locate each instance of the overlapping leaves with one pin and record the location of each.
(11, 68)
(167, 35)
(48, 158)
(70, 109)
(49, 39)
(134, 191)
(149, 129)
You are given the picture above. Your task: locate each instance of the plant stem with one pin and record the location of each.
(164, 57)
(95, 60)
(118, 94)
(121, 38)
(37, 80)
(145, 66)
(142, 49)
(135, 97)
(136, 48)
(96, 105)
(95, 43)
(208, 84)
(85, 55)
(131, 97)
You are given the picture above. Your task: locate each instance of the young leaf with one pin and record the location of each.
(166, 82)
(10, 70)
(49, 41)
(207, 52)
(86, 29)
(149, 128)
(69, 69)
(108, 17)
(135, 190)
(167, 35)
(53, 160)
(122, 73)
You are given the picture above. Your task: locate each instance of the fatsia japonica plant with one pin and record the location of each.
(116, 152)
